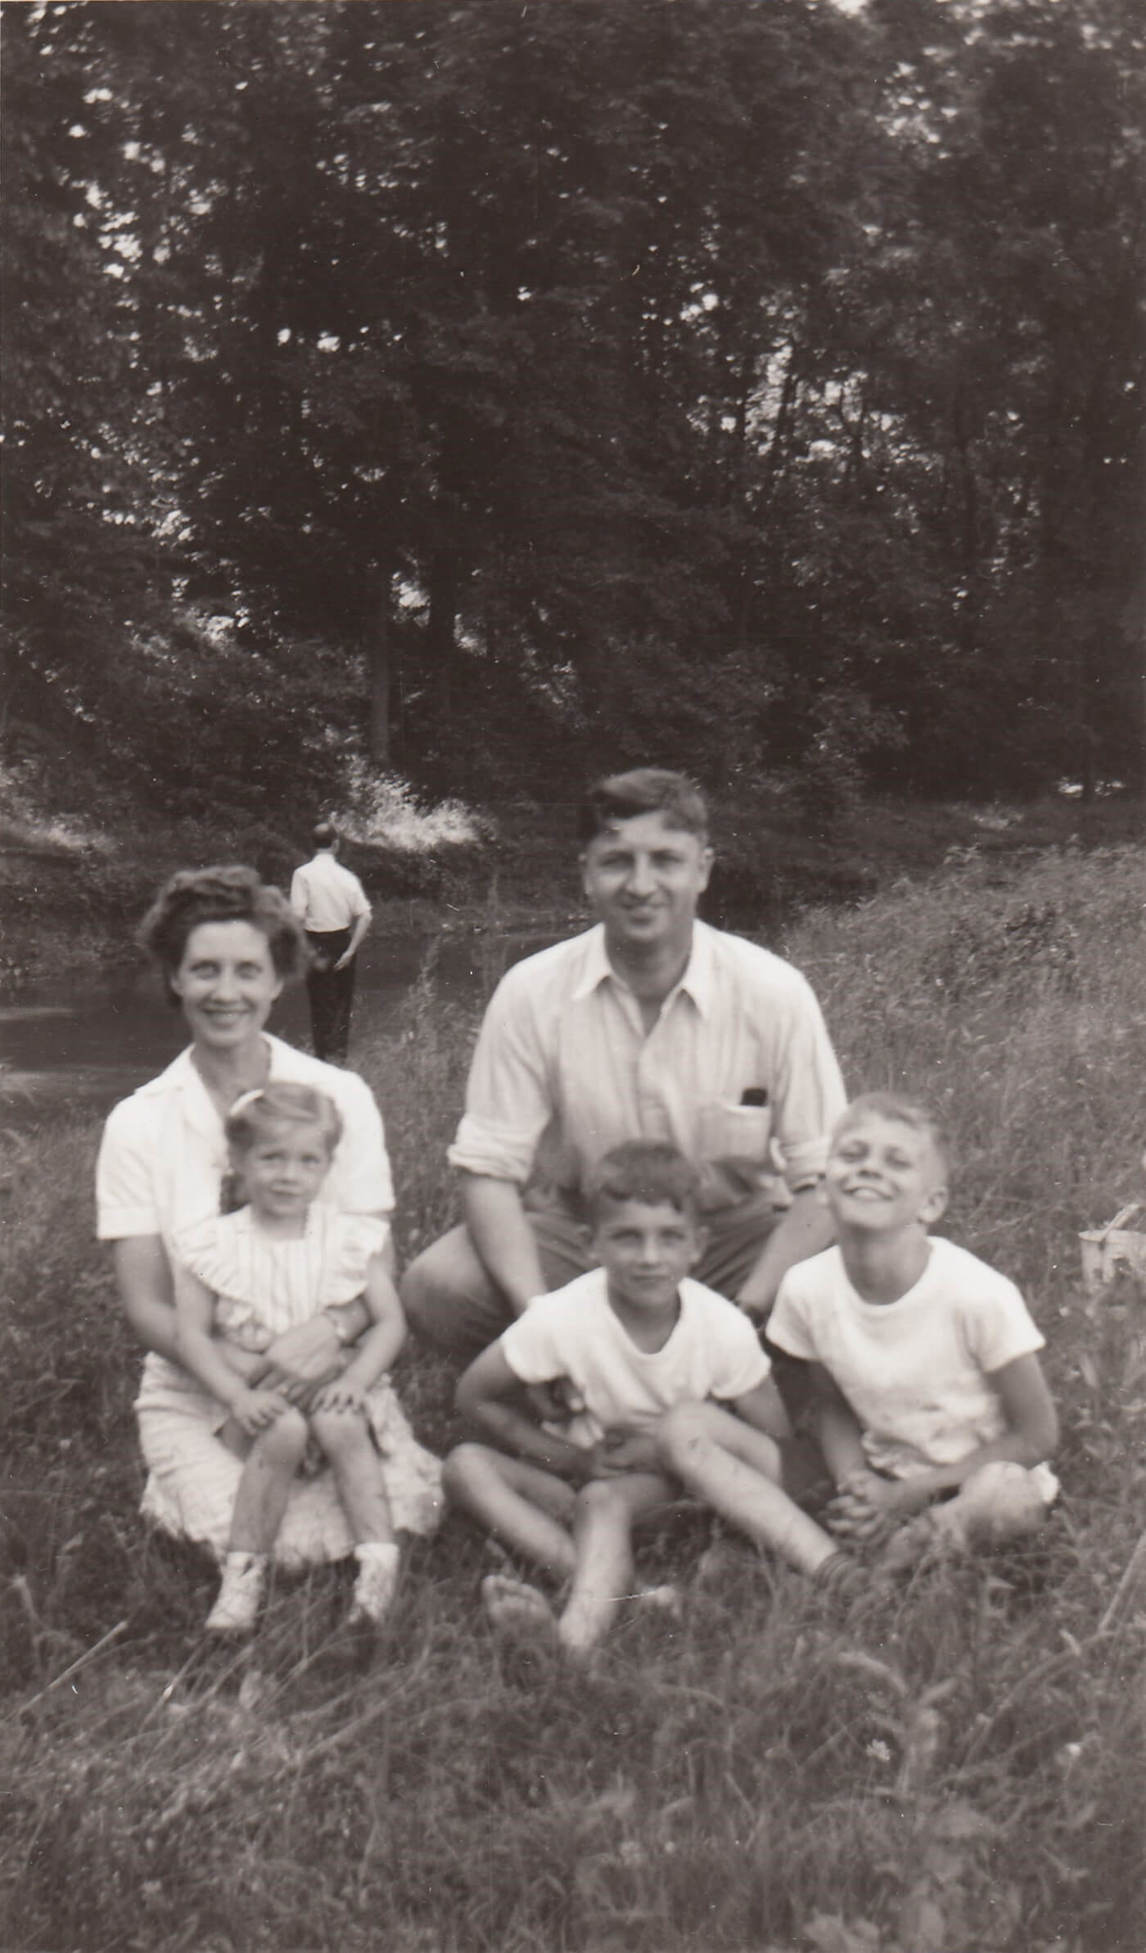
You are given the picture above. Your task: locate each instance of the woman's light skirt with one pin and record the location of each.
(193, 1477)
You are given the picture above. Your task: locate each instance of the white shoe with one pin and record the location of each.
(376, 1584)
(237, 1608)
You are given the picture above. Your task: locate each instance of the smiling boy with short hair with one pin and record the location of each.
(634, 1338)
(935, 1395)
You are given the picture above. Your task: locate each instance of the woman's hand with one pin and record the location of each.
(255, 1410)
(342, 1395)
(303, 1359)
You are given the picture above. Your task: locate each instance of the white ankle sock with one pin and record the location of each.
(380, 1552)
(377, 1580)
(240, 1593)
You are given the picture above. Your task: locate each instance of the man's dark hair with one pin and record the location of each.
(648, 1170)
(325, 834)
(643, 790)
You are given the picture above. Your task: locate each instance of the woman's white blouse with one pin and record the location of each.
(163, 1153)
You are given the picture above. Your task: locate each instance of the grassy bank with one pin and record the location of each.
(958, 1771)
(73, 886)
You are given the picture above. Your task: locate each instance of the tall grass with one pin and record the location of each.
(958, 1770)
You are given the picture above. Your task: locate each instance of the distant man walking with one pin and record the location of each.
(331, 904)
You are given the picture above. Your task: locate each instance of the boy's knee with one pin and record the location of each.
(603, 1498)
(1001, 1501)
(465, 1464)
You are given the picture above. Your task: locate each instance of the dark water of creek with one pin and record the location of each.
(86, 1044)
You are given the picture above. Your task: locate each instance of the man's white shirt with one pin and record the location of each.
(325, 895)
(738, 1071)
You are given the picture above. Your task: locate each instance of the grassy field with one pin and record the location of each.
(960, 1769)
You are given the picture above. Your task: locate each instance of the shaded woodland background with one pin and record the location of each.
(492, 391)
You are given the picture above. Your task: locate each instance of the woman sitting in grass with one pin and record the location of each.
(631, 1340)
(226, 943)
(933, 1407)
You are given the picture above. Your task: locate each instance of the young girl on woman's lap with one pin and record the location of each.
(242, 1279)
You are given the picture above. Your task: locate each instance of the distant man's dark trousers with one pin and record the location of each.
(331, 993)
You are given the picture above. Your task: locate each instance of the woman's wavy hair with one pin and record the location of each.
(227, 893)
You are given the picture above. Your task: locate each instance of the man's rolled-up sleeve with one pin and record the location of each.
(508, 1098)
(809, 1089)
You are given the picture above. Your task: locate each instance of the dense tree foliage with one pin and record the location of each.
(739, 381)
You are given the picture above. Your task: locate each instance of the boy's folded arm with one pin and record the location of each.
(763, 1408)
(485, 1398)
(1030, 1438)
(1028, 1408)
(837, 1429)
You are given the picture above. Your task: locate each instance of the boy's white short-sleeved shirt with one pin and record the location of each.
(916, 1371)
(713, 1352)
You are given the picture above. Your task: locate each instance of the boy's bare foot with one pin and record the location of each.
(580, 1632)
(724, 1560)
(918, 1543)
(513, 1607)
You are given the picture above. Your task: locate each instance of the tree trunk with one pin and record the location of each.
(378, 665)
(441, 627)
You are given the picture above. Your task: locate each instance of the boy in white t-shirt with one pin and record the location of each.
(630, 1340)
(933, 1407)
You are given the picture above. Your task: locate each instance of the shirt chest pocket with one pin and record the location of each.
(734, 1132)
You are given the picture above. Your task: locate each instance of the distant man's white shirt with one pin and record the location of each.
(325, 896)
